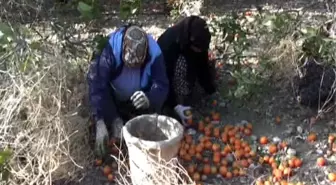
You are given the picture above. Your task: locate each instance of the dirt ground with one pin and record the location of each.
(278, 101)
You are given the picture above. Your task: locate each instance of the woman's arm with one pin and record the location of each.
(99, 76)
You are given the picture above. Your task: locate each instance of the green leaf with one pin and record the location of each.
(4, 156)
(6, 30)
(85, 10)
(5, 174)
(83, 7)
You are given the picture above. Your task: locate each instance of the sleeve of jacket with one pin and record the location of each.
(158, 92)
(206, 75)
(99, 76)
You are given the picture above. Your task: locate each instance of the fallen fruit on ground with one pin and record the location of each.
(99, 162)
(332, 177)
(107, 170)
(110, 177)
(312, 137)
(272, 149)
(277, 120)
(196, 177)
(321, 161)
(263, 140)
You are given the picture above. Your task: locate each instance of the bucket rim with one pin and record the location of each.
(152, 144)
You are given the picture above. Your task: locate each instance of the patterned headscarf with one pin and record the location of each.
(135, 46)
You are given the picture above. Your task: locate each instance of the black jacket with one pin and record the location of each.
(174, 42)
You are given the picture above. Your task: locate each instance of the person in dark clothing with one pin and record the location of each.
(185, 50)
(127, 78)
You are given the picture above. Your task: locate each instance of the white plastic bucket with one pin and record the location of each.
(155, 134)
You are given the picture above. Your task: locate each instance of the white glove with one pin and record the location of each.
(101, 138)
(140, 100)
(117, 125)
(182, 112)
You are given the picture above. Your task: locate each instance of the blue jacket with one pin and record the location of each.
(108, 65)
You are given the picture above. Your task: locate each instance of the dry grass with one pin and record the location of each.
(162, 172)
(38, 118)
(284, 56)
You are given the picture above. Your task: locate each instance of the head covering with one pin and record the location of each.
(194, 32)
(135, 46)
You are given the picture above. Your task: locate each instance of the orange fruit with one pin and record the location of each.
(235, 172)
(199, 156)
(107, 170)
(229, 175)
(274, 165)
(259, 182)
(201, 126)
(207, 131)
(297, 162)
(331, 138)
(238, 154)
(247, 132)
(188, 139)
(263, 140)
(311, 137)
(272, 149)
(215, 147)
(283, 182)
(99, 162)
(287, 171)
(216, 159)
(242, 172)
(321, 161)
(332, 177)
(196, 177)
(191, 169)
(110, 177)
(277, 120)
(277, 174)
(187, 157)
(214, 170)
(244, 163)
(208, 145)
(214, 102)
(206, 169)
(199, 148)
(291, 163)
(216, 132)
(182, 152)
(192, 151)
(190, 121)
(283, 144)
(216, 117)
(224, 162)
(223, 171)
(266, 159)
(249, 126)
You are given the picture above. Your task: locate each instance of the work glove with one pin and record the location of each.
(117, 125)
(101, 138)
(140, 100)
(182, 112)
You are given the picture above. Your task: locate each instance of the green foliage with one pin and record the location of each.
(316, 44)
(6, 35)
(4, 159)
(130, 8)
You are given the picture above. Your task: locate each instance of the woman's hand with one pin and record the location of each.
(140, 100)
(101, 138)
(182, 111)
